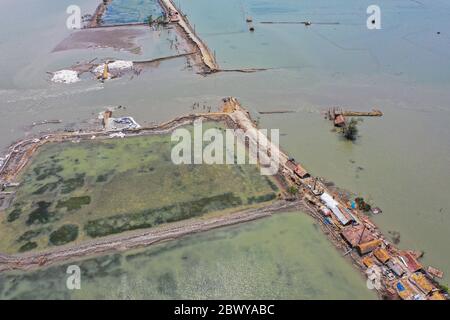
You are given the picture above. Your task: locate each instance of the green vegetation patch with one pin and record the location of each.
(30, 234)
(264, 198)
(28, 246)
(43, 172)
(14, 215)
(106, 186)
(51, 186)
(70, 185)
(41, 214)
(153, 217)
(74, 203)
(67, 233)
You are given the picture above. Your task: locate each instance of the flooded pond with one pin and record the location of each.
(131, 11)
(282, 257)
(90, 189)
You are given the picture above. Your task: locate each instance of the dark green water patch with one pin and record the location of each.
(30, 234)
(43, 172)
(46, 188)
(104, 177)
(101, 266)
(74, 203)
(167, 284)
(41, 214)
(14, 215)
(263, 198)
(153, 217)
(28, 246)
(72, 184)
(272, 185)
(67, 233)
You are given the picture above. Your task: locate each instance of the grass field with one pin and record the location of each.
(77, 191)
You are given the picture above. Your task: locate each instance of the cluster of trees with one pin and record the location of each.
(155, 21)
(350, 131)
(362, 205)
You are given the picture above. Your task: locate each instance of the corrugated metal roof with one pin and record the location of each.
(340, 216)
(291, 165)
(357, 234)
(382, 255)
(366, 247)
(411, 262)
(404, 290)
(395, 268)
(437, 296)
(349, 213)
(421, 282)
(300, 171)
(328, 200)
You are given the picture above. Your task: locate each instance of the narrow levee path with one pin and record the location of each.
(177, 17)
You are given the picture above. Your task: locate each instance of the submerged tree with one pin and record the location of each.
(150, 20)
(350, 131)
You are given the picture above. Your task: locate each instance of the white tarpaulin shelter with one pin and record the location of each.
(328, 200)
(343, 217)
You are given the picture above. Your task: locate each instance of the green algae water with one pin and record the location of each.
(285, 256)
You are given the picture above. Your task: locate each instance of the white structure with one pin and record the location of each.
(333, 205)
(328, 200)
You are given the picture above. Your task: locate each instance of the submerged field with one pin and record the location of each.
(282, 257)
(131, 11)
(77, 191)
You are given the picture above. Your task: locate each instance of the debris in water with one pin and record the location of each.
(435, 272)
(114, 67)
(376, 210)
(395, 235)
(34, 124)
(65, 76)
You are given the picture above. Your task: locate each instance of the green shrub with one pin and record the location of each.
(28, 246)
(67, 233)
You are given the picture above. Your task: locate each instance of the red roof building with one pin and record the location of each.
(339, 121)
(411, 261)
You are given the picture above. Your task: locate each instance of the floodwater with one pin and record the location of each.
(126, 11)
(105, 187)
(400, 163)
(284, 256)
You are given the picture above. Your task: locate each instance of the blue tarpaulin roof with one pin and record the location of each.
(400, 287)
